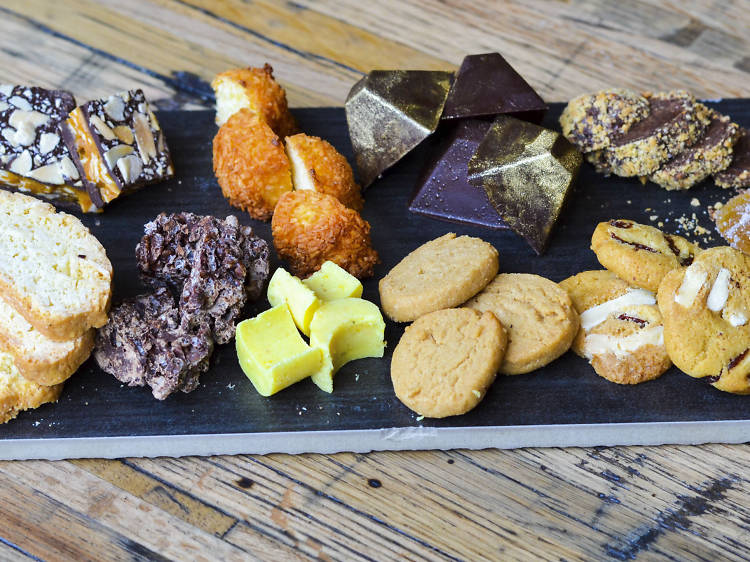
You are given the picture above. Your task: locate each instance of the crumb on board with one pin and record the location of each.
(695, 202)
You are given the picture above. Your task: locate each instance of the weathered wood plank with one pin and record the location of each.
(149, 528)
(13, 553)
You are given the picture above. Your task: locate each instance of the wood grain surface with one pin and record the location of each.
(622, 503)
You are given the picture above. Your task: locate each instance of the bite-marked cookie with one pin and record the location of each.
(709, 155)
(442, 273)
(621, 331)
(591, 120)
(675, 121)
(446, 360)
(537, 314)
(706, 308)
(640, 254)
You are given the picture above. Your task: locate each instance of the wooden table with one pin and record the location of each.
(680, 503)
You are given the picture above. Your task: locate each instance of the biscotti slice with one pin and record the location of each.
(53, 271)
(737, 175)
(118, 144)
(675, 121)
(18, 394)
(33, 157)
(710, 155)
(38, 358)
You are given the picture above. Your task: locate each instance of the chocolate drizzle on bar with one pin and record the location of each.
(737, 360)
(684, 261)
(621, 224)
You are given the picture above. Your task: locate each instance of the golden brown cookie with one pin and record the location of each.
(706, 308)
(733, 221)
(537, 314)
(442, 273)
(640, 254)
(446, 361)
(250, 164)
(591, 120)
(621, 330)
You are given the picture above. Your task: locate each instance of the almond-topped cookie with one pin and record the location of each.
(706, 310)
(590, 121)
(621, 331)
(640, 254)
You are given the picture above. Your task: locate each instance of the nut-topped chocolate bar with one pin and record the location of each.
(33, 157)
(118, 144)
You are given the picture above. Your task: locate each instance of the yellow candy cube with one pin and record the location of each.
(302, 300)
(332, 282)
(272, 353)
(345, 330)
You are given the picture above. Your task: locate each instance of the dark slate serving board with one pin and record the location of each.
(565, 403)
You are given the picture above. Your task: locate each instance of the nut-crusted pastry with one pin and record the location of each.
(257, 90)
(590, 121)
(213, 265)
(310, 228)
(317, 165)
(737, 175)
(18, 394)
(33, 157)
(118, 144)
(709, 155)
(675, 121)
(145, 343)
(250, 164)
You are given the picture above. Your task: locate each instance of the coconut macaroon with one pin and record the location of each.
(250, 164)
(257, 90)
(318, 166)
(310, 228)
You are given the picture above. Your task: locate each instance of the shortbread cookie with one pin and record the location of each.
(706, 308)
(675, 121)
(710, 155)
(446, 361)
(442, 273)
(621, 331)
(733, 221)
(640, 254)
(18, 394)
(590, 121)
(52, 269)
(737, 175)
(538, 315)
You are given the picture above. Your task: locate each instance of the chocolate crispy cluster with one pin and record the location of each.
(204, 270)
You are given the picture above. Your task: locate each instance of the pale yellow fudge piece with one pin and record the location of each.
(345, 330)
(272, 353)
(302, 300)
(332, 282)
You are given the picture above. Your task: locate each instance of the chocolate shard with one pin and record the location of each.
(118, 144)
(486, 85)
(33, 158)
(527, 172)
(389, 112)
(443, 190)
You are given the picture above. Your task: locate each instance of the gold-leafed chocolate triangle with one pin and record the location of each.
(389, 112)
(527, 172)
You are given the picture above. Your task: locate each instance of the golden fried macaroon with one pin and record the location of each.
(310, 227)
(318, 166)
(251, 165)
(257, 90)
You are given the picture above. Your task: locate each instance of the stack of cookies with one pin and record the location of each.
(508, 323)
(667, 137)
(663, 300)
(55, 289)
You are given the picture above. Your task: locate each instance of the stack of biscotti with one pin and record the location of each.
(668, 138)
(55, 289)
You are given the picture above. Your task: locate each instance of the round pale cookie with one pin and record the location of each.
(591, 120)
(538, 315)
(621, 330)
(446, 361)
(442, 273)
(706, 308)
(640, 254)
